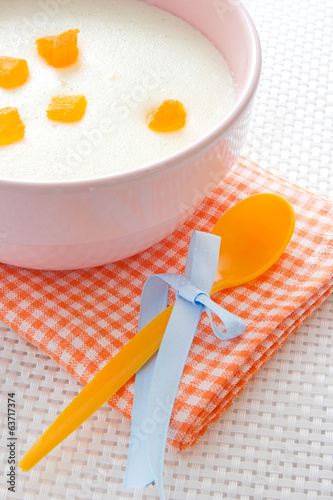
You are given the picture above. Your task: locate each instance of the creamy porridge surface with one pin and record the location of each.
(132, 57)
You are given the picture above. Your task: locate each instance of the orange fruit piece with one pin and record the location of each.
(61, 50)
(13, 72)
(11, 126)
(67, 108)
(169, 117)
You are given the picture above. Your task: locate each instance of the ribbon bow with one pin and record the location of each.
(157, 382)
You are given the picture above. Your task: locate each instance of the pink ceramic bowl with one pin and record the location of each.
(77, 224)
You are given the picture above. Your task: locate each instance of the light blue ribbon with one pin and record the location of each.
(157, 382)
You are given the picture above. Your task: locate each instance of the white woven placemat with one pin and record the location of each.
(276, 441)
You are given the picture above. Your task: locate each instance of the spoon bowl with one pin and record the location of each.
(254, 233)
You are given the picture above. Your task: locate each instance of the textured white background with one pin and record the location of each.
(276, 441)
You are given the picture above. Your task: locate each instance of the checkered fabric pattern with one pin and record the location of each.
(82, 318)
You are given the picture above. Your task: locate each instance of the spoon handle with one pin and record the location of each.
(107, 382)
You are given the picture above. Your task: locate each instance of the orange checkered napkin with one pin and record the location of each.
(82, 318)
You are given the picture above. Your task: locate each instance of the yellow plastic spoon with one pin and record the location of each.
(254, 234)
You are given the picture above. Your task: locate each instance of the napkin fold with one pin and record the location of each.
(82, 318)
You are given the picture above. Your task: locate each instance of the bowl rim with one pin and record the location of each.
(177, 159)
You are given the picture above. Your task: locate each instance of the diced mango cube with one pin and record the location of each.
(170, 116)
(11, 126)
(13, 72)
(67, 108)
(61, 50)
